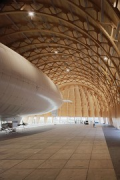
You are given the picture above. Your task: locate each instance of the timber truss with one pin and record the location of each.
(72, 41)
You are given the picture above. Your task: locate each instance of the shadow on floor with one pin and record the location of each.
(112, 136)
(24, 132)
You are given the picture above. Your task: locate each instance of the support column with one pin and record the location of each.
(45, 119)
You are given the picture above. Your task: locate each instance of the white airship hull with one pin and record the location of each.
(24, 89)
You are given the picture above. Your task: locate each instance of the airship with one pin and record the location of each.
(24, 89)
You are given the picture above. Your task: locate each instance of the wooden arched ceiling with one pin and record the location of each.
(85, 102)
(80, 35)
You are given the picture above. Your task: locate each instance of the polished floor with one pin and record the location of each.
(59, 152)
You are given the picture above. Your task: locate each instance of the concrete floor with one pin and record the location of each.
(61, 152)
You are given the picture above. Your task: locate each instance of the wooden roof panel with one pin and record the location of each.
(72, 34)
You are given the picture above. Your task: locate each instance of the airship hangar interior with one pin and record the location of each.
(60, 79)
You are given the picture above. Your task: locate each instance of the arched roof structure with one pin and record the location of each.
(72, 41)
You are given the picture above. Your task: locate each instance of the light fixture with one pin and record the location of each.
(114, 4)
(67, 70)
(105, 58)
(56, 52)
(31, 14)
